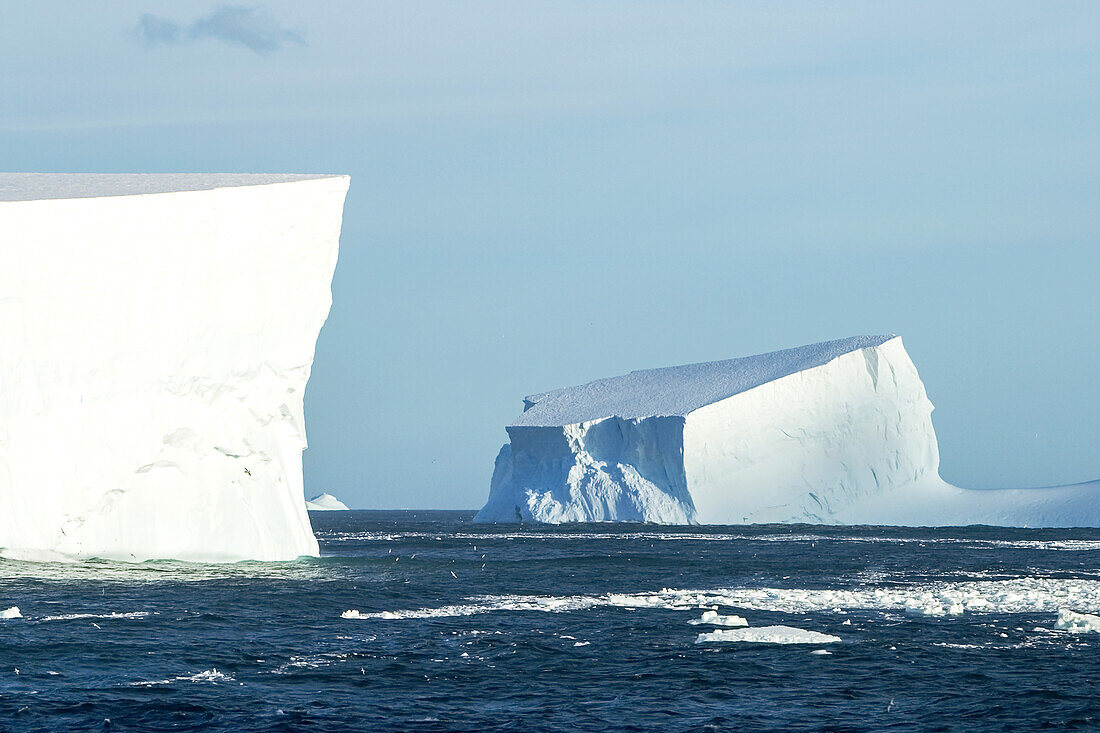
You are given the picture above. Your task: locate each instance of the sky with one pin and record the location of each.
(546, 193)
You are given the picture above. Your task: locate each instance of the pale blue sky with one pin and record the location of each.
(548, 193)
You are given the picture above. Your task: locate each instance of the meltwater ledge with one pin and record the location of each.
(836, 432)
(156, 335)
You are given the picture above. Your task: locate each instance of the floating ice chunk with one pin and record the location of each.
(1078, 623)
(768, 635)
(713, 618)
(820, 652)
(925, 605)
(12, 612)
(352, 614)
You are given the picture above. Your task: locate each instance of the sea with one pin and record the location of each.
(425, 621)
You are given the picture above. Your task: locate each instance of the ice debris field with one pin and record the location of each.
(835, 432)
(942, 599)
(1025, 595)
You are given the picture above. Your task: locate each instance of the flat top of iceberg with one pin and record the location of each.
(39, 186)
(681, 389)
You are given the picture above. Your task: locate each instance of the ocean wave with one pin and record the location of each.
(77, 616)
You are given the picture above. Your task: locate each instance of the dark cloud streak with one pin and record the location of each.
(240, 25)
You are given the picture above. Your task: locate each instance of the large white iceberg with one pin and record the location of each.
(156, 335)
(836, 432)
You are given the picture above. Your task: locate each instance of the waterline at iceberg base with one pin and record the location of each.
(156, 336)
(835, 432)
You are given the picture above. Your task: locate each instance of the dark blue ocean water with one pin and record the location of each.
(584, 627)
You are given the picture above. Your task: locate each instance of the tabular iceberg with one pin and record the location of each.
(156, 335)
(835, 432)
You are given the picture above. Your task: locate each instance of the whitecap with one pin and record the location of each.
(212, 676)
(77, 616)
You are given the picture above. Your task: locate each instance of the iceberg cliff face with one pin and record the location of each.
(810, 444)
(156, 336)
(834, 432)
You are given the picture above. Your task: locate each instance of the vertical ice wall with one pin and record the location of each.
(156, 335)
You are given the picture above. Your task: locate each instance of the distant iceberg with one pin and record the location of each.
(835, 432)
(325, 503)
(156, 336)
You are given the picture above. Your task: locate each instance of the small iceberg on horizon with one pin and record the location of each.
(325, 503)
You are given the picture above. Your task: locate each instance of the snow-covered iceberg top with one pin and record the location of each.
(53, 186)
(680, 390)
(839, 431)
(156, 336)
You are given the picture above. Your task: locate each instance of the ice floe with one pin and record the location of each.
(713, 618)
(768, 635)
(12, 612)
(1076, 622)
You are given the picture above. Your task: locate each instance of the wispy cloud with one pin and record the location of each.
(155, 30)
(240, 25)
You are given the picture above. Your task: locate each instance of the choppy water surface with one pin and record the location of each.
(424, 621)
